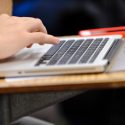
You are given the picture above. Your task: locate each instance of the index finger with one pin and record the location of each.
(42, 38)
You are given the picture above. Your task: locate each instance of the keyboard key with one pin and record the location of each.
(71, 51)
(99, 50)
(61, 52)
(80, 51)
(112, 50)
(50, 52)
(92, 48)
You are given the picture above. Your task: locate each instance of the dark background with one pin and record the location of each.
(67, 17)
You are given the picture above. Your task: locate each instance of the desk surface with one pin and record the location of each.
(67, 82)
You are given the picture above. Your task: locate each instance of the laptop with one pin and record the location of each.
(72, 55)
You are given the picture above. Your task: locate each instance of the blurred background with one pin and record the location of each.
(67, 17)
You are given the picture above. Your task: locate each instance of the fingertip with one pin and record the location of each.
(50, 39)
(56, 40)
(43, 38)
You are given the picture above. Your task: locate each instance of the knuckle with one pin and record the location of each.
(39, 21)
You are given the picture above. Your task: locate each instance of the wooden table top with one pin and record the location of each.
(67, 82)
(6, 6)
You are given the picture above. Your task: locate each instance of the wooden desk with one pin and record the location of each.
(67, 82)
(6, 6)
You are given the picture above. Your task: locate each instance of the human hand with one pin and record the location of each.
(19, 32)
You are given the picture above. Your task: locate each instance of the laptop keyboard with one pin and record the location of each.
(73, 51)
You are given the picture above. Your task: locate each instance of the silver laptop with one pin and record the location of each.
(71, 56)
